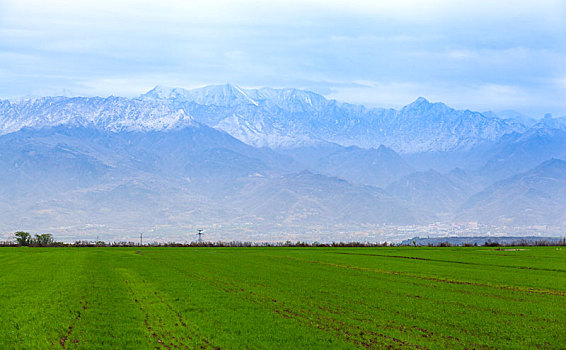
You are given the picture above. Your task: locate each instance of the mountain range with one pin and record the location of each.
(261, 163)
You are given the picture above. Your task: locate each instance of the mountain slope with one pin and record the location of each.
(276, 117)
(520, 152)
(313, 199)
(78, 180)
(375, 166)
(537, 196)
(437, 192)
(175, 158)
(111, 113)
(267, 117)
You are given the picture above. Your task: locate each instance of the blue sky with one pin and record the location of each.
(481, 55)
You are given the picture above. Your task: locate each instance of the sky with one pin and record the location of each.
(479, 55)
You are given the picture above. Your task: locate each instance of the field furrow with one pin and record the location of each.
(282, 298)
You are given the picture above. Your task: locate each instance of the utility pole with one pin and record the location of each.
(141, 239)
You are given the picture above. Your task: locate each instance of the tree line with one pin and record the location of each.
(25, 239)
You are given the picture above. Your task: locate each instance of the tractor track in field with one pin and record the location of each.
(163, 337)
(183, 323)
(146, 320)
(460, 304)
(83, 305)
(305, 316)
(490, 310)
(353, 334)
(233, 288)
(361, 337)
(527, 290)
(321, 321)
(424, 333)
(453, 262)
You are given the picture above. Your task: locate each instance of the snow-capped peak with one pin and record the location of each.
(268, 117)
(226, 95)
(159, 92)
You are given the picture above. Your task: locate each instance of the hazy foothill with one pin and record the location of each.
(275, 164)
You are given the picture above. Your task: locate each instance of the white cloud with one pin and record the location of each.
(503, 52)
(228, 11)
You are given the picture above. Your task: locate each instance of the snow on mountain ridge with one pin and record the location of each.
(270, 117)
(227, 95)
(111, 113)
(293, 112)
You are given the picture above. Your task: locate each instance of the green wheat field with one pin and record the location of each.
(283, 298)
